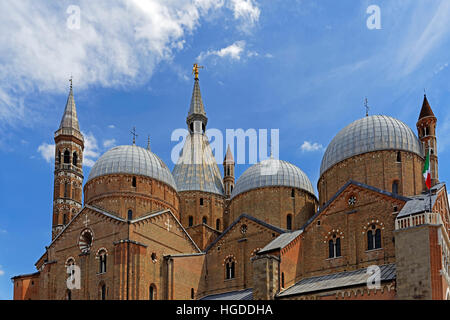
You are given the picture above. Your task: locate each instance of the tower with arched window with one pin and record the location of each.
(228, 172)
(426, 127)
(68, 176)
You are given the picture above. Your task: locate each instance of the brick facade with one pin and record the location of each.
(379, 169)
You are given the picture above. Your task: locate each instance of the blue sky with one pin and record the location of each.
(303, 67)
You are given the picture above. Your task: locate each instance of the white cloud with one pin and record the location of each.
(441, 68)
(233, 51)
(424, 40)
(3, 231)
(246, 10)
(111, 126)
(47, 152)
(91, 150)
(119, 44)
(109, 143)
(310, 147)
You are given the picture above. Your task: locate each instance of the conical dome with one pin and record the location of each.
(196, 169)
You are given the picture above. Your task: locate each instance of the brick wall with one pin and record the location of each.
(273, 204)
(378, 169)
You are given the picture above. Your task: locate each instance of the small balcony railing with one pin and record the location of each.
(417, 220)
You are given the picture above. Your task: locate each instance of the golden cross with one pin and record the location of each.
(195, 70)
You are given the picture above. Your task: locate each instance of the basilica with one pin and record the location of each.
(137, 231)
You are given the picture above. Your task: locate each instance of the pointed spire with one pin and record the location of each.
(426, 109)
(196, 119)
(196, 107)
(229, 156)
(70, 119)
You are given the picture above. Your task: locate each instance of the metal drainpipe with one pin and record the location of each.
(279, 270)
(128, 262)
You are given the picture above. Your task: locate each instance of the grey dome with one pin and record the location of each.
(272, 172)
(368, 134)
(132, 160)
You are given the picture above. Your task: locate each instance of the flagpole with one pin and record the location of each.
(430, 199)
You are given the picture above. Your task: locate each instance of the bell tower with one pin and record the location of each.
(228, 172)
(426, 128)
(68, 175)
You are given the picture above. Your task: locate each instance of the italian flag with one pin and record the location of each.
(426, 171)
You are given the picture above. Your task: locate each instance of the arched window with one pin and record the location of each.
(152, 292)
(66, 190)
(218, 224)
(130, 214)
(229, 268)
(102, 261)
(293, 193)
(74, 159)
(64, 219)
(334, 247)
(374, 238)
(204, 220)
(282, 279)
(289, 222)
(192, 293)
(68, 294)
(231, 189)
(103, 292)
(228, 171)
(201, 201)
(133, 182)
(395, 187)
(378, 239)
(66, 156)
(191, 221)
(59, 157)
(399, 157)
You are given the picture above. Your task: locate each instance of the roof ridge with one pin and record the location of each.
(243, 215)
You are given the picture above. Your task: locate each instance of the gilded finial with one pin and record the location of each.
(195, 70)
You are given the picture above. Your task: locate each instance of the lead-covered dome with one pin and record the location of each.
(372, 133)
(132, 160)
(272, 172)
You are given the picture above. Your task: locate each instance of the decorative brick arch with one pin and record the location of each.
(68, 260)
(97, 254)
